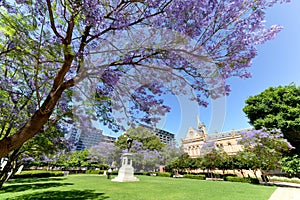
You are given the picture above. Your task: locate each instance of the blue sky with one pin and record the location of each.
(277, 63)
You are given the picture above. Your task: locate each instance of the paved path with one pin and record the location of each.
(286, 191)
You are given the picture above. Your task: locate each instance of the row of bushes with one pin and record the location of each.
(95, 171)
(241, 179)
(164, 174)
(210, 175)
(45, 174)
(38, 174)
(285, 179)
(199, 177)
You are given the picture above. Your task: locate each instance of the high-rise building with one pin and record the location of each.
(164, 136)
(81, 141)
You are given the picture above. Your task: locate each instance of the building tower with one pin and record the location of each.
(201, 127)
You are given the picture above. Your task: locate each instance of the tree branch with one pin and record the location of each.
(52, 21)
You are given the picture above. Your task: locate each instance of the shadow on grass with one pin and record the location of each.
(30, 186)
(33, 180)
(57, 195)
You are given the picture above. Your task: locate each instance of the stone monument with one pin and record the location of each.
(126, 172)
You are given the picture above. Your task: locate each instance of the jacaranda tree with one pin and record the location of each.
(130, 51)
(263, 149)
(104, 153)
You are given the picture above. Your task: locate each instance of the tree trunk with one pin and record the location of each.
(255, 171)
(36, 122)
(41, 116)
(242, 173)
(9, 168)
(31, 128)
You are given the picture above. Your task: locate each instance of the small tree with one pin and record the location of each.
(169, 154)
(144, 159)
(103, 153)
(263, 149)
(74, 159)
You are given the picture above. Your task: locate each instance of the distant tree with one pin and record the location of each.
(277, 107)
(245, 160)
(104, 153)
(141, 134)
(223, 161)
(169, 154)
(144, 159)
(182, 163)
(74, 159)
(211, 160)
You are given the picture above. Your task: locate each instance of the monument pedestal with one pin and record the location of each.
(126, 172)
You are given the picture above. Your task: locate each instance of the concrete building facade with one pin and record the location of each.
(164, 136)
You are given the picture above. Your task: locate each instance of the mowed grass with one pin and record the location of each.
(83, 187)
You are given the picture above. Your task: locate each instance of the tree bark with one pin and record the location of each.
(8, 169)
(35, 123)
(41, 116)
(31, 128)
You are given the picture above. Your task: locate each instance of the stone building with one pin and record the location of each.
(195, 139)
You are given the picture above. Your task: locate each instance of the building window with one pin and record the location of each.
(230, 146)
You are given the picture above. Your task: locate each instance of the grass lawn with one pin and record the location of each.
(83, 187)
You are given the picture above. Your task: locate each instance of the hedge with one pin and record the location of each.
(228, 175)
(164, 174)
(38, 174)
(139, 173)
(241, 179)
(199, 177)
(95, 171)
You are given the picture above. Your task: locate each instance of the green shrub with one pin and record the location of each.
(192, 176)
(254, 180)
(236, 179)
(242, 180)
(218, 175)
(94, 171)
(103, 167)
(146, 173)
(153, 174)
(38, 174)
(114, 172)
(164, 174)
(225, 176)
(138, 173)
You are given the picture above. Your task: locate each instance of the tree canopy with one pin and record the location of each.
(140, 134)
(277, 107)
(48, 48)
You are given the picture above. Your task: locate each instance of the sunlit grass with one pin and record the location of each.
(84, 187)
